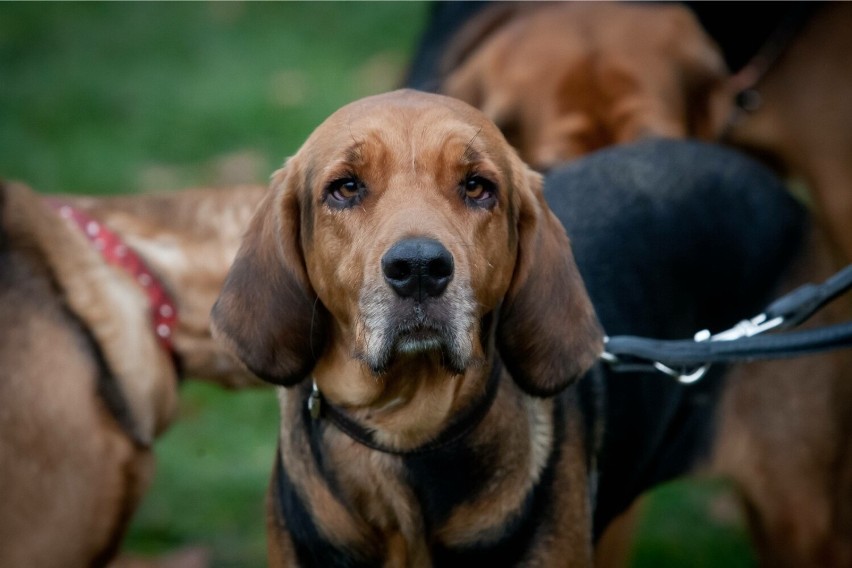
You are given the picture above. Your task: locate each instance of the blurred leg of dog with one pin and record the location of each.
(85, 384)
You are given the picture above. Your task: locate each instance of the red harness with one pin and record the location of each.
(117, 253)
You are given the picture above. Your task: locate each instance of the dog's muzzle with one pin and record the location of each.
(417, 312)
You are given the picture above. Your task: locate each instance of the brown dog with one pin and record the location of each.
(85, 385)
(562, 80)
(405, 260)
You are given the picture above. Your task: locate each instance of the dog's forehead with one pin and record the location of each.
(399, 116)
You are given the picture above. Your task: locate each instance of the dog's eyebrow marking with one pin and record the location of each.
(413, 153)
(470, 155)
(353, 154)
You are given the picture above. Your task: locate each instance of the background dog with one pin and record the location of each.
(562, 80)
(85, 382)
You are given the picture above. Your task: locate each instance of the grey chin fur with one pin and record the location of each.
(455, 356)
(384, 336)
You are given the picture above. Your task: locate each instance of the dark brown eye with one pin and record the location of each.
(345, 192)
(480, 191)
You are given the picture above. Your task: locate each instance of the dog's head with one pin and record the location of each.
(404, 228)
(564, 79)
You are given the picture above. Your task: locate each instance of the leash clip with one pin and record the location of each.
(693, 357)
(746, 328)
(682, 377)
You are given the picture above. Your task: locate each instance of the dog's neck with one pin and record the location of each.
(188, 239)
(456, 429)
(407, 407)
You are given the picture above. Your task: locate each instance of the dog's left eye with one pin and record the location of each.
(344, 192)
(479, 190)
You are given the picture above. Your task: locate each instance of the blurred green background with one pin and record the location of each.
(131, 97)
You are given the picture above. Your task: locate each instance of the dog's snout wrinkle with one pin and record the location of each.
(418, 268)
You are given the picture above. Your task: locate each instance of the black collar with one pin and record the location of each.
(462, 425)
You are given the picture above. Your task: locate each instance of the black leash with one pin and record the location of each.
(688, 360)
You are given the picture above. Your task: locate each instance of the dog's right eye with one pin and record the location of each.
(479, 191)
(345, 192)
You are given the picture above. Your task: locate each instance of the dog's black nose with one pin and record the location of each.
(418, 268)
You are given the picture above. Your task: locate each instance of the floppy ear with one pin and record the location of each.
(267, 311)
(548, 333)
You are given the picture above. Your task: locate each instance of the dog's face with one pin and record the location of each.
(398, 195)
(565, 79)
(395, 234)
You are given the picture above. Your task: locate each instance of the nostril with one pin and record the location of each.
(397, 269)
(441, 266)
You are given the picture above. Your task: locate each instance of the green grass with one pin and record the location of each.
(121, 98)
(213, 468)
(692, 523)
(105, 97)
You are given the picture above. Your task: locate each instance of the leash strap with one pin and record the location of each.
(803, 302)
(689, 360)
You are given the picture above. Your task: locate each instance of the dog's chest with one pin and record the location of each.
(478, 500)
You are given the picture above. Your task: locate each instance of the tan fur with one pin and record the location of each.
(71, 474)
(189, 239)
(113, 307)
(321, 265)
(564, 79)
(568, 543)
